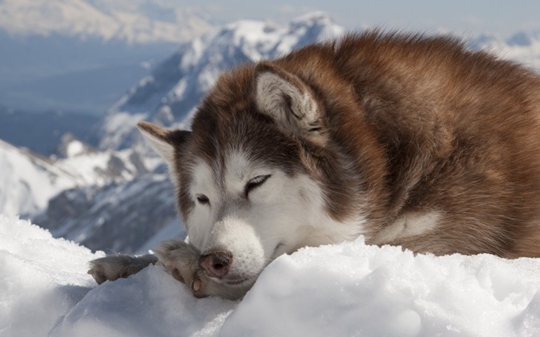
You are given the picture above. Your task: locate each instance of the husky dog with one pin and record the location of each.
(407, 140)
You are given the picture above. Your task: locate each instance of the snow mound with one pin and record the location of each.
(357, 290)
(150, 303)
(343, 290)
(41, 278)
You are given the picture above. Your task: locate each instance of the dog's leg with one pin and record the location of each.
(179, 259)
(111, 268)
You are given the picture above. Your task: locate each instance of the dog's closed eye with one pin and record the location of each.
(255, 182)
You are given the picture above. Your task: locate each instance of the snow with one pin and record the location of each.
(522, 47)
(75, 148)
(348, 289)
(41, 278)
(370, 291)
(28, 181)
(92, 168)
(120, 125)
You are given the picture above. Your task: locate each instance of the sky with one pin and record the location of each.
(472, 16)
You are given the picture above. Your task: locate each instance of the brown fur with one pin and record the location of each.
(407, 124)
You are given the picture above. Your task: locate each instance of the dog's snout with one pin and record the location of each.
(216, 264)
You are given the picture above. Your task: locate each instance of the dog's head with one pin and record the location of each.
(254, 175)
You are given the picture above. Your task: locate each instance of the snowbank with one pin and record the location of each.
(343, 290)
(41, 278)
(358, 290)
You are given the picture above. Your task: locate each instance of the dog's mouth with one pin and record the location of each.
(235, 280)
(238, 281)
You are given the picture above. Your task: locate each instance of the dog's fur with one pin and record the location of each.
(408, 140)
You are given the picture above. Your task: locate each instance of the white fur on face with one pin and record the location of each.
(200, 221)
(279, 216)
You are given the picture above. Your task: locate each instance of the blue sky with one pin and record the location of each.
(496, 16)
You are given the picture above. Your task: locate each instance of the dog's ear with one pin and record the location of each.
(288, 100)
(164, 141)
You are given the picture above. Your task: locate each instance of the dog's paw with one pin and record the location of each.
(181, 260)
(111, 268)
(178, 258)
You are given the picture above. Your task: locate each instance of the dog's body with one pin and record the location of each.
(406, 140)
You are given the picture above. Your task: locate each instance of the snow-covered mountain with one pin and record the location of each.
(121, 216)
(522, 47)
(29, 181)
(176, 86)
(134, 21)
(89, 196)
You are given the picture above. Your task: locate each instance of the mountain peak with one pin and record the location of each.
(70, 146)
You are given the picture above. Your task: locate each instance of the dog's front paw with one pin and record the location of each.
(111, 268)
(181, 260)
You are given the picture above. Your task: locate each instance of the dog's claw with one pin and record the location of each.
(196, 285)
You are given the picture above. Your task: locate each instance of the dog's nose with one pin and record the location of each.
(216, 264)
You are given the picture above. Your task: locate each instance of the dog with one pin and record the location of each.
(403, 139)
